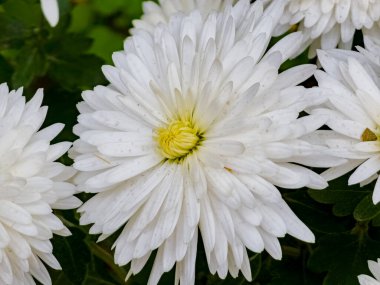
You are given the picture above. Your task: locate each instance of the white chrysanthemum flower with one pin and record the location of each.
(374, 267)
(193, 133)
(50, 10)
(156, 13)
(354, 115)
(327, 24)
(31, 185)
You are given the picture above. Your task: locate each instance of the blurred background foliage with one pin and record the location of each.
(67, 60)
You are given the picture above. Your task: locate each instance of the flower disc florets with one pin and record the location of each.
(178, 139)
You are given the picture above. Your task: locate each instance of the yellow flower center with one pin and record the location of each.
(178, 139)
(368, 136)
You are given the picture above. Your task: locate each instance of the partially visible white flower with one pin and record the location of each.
(31, 184)
(371, 51)
(374, 31)
(193, 133)
(50, 10)
(155, 13)
(327, 24)
(374, 267)
(354, 116)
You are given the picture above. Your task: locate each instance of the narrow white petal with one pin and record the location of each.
(367, 280)
(51, 11)
(365, 170)
(374, 267)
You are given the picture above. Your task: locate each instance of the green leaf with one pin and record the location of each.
(73, 255)
(295, 272)
(71, 45)
(25, 12)
(5, 70)
(344, 201)
(81, 72)
(344, 257)
(316, 216)
(106, 42)
(366, 210)
(109, 7)
(117, 272)
(61, 279)
(94, 280)
(376, 221)
(30, 64)
(13, 32)
(82, 16)
(256, 264)
(343, 198)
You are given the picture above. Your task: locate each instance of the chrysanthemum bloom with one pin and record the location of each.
(327, 24)
(193, 133)
(374, 267)
(31, 184)
(154, 13)
(354, 116)
(50, 10)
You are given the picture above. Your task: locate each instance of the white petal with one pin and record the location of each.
(365, 170)
(367, 280)
(124, 171)
(374, 267)
(51, 12)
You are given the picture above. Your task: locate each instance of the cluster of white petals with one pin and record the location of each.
(193, 136)
(327, 24)
(194, 132)
(371, 52)
(354, 116)
(374, 267)
(32, 184)
(50, 10)
(156, 13)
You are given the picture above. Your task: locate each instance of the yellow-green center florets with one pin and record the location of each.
(369, 135)
(178, 139)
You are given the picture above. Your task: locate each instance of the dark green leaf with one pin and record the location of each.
(5, 70)
(295, 274)
(61, 279)
(13, 32)
(105, 43)
(82, 18)
(72, 45)
(82, 72)
(316, 216)
(25, 12)
(109, 7)
(376, 221)
(94, 278)
(344, 200)
(344, 257)
(117, 272)
(366, 210)
(73, 255)
(30, 64)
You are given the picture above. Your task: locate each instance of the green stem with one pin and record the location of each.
(105, 256)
